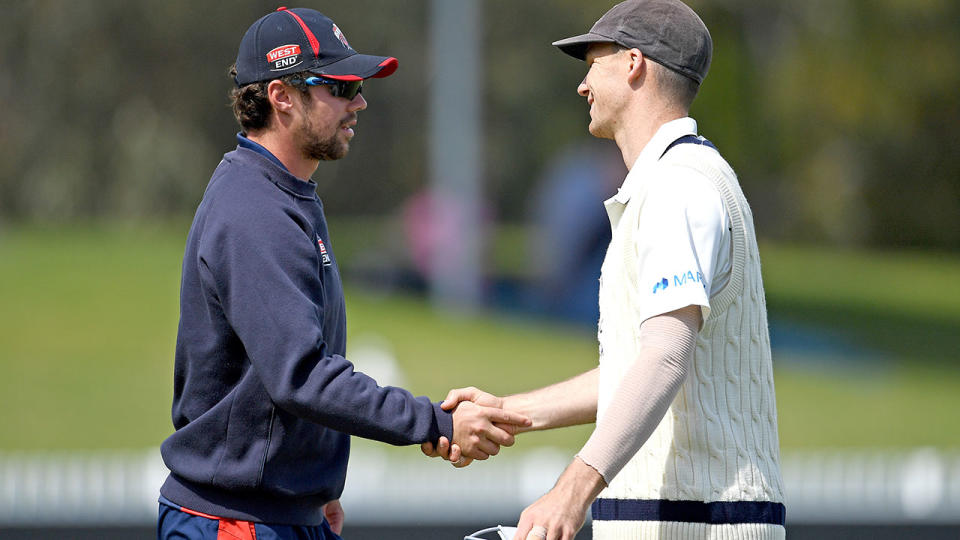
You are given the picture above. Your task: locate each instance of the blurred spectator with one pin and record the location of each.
(571, 229)
(431, 224)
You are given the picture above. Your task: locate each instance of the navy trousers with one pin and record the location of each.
(175, 523)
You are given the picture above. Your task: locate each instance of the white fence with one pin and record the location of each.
(389, 486)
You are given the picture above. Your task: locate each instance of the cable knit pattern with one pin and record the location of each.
(718, 440)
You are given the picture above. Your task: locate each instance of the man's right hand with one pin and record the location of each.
(452, 452)
(473, 394)
(475, 432)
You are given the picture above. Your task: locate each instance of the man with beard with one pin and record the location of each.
(264, 400)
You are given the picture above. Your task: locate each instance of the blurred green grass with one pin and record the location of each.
(88, 317)
(906, 303)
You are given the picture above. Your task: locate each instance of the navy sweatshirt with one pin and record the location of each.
(264, 400)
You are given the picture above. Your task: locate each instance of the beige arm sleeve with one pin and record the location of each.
(666, 350)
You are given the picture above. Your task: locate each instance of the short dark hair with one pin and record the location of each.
(679, 87)
(251, 105)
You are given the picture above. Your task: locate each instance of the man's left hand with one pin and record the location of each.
(334, 514)
(560, 513)
(447, 451)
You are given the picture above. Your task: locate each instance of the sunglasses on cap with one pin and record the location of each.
(344, 89)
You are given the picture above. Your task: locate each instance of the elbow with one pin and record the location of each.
(287, 400)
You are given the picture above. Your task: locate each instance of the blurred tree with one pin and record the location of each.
(838, 115)
(849, 109)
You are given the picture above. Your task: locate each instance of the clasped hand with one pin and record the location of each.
(480, 427)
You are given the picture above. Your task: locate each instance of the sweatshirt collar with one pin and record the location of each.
(244, 142)
(284, 178)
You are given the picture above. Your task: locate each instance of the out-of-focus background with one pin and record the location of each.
(468, 222)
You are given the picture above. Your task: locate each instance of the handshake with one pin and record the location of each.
(480, 427)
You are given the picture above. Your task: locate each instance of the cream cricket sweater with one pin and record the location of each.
(711, 468)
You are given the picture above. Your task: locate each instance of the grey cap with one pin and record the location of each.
(666, 31)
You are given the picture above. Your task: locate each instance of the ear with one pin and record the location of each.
(281, 97)
(635, 66)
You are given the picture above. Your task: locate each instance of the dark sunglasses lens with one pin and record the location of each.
(348, 89)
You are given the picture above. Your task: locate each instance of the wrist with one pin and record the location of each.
(580, 483)
(444, 423)
(517, 404)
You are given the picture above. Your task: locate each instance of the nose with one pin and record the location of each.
(357, 104)
(582, 88)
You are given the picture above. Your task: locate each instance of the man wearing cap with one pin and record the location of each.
(686, 441)
(264, 401)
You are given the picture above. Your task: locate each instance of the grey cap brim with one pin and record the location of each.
(576, 46)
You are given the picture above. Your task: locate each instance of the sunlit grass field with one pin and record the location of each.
(88, 319)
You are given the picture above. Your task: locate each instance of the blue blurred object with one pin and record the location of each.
(571, 229)
(822, 348)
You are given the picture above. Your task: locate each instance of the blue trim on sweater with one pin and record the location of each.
(244, 142)
(714, 513)
(690, 139)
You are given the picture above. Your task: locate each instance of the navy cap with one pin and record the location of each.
(300, 39)
(666, 31)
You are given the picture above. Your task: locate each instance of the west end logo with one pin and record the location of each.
(284, 57)
(324, 256)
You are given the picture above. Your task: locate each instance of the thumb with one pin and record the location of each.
(455, 396)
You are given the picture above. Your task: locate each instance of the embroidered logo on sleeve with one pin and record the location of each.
(324, 256)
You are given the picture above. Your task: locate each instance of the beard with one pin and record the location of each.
(314, 144)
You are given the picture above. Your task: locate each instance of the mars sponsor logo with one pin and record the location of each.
(660, 285)
(340, 36)
(679, 280)
(324, 256)
(690, 277)
(283, 57)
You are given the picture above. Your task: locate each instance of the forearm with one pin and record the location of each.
(645, 392)
(333, 394)
(568, 403)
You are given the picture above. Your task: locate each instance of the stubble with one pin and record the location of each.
(315, 144)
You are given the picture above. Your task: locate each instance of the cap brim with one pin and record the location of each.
(360, 66)
(576, 46)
